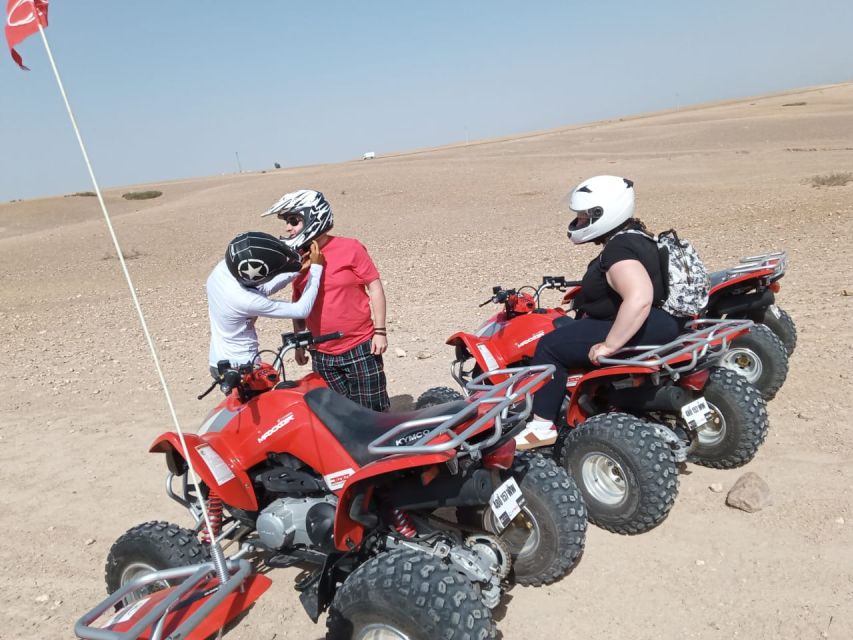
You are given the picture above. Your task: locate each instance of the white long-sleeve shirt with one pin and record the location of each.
(234, 308)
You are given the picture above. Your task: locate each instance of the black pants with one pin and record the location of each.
(568, 347)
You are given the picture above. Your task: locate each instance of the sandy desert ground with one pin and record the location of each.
(81, 401)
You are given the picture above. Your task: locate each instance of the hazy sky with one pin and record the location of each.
(172, 89)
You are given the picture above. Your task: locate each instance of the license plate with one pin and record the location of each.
(506, 502)
(775, 311)
(696, 413)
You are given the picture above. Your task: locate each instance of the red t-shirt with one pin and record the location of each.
(342, 303)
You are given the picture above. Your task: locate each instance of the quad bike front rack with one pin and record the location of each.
(178, 611)
(504, 396)
(709, 339)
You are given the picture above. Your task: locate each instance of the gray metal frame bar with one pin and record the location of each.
(699, 343)
(502, 395)
(776, 261)
(193, 574)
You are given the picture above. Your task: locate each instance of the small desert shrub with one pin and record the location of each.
(141, 195)
(794, 104)
(835, 179)
(83, 194)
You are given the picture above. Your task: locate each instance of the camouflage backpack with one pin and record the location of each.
(684, 274)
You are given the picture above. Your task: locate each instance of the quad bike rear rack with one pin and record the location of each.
(194, 577)
(709, 339)
(504, 396)
(776, 262)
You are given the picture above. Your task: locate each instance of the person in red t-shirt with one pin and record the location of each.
(350, 289)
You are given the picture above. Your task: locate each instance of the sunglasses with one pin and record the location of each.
(291, 219)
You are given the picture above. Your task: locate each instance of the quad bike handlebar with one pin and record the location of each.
(231, 378)
(502, 296)
(505, 395)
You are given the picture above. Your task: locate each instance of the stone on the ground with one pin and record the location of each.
(750, 493)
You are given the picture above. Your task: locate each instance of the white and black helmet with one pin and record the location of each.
(255, 257)
(314, 209)
(602, 203)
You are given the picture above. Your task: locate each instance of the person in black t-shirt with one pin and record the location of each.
(617, 301)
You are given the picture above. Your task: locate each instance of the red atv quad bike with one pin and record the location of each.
(628, 423)
(748, 290)
(375, 507)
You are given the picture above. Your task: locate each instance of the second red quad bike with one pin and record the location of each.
(748, 290)
(626, 425)
(406, 525)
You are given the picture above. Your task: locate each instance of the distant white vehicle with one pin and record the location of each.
(370, 155)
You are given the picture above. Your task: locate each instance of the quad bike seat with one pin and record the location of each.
(562, 321)
(717, 277)
(356, 426)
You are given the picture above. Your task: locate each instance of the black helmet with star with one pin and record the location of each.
(255, 257)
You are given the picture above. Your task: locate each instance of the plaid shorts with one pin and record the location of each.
(356, 374)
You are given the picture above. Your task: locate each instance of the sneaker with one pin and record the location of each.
(537, 433)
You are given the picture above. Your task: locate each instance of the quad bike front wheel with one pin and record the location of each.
(624, 468)
(547, 538)
(407, 594)
(780, 323)
(738, 423)
(436, 396)
(150, 547)
(761, 358)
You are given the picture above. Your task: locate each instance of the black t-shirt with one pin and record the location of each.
(597, 299)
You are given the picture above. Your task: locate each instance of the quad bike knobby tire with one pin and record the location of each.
(410, 595)
(782, 325)
(738, 425)
(625, 470)
(436, 396)
(148, 547)
(761, 358)
(547, 538)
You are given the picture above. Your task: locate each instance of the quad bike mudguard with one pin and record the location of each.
(357, 491)
(500, 341)
(230, 483)
(574, 413)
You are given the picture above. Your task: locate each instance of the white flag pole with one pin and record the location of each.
(216, 550)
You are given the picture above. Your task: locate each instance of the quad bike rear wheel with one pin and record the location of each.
(625, 470)
(780, 323)
(738, 424)
(149, 547)
(436, 396)
(406, 594)
(761, 358)
(547, 538)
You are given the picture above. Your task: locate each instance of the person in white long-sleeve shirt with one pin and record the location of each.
(256, 265)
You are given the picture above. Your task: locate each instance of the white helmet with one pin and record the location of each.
(312, 207)
(602, 204)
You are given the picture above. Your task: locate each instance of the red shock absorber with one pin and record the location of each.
(400, 521)
(214, 514)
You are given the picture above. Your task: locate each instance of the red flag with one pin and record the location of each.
(21, 16)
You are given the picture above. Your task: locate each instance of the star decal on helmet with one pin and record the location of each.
(253, 269)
